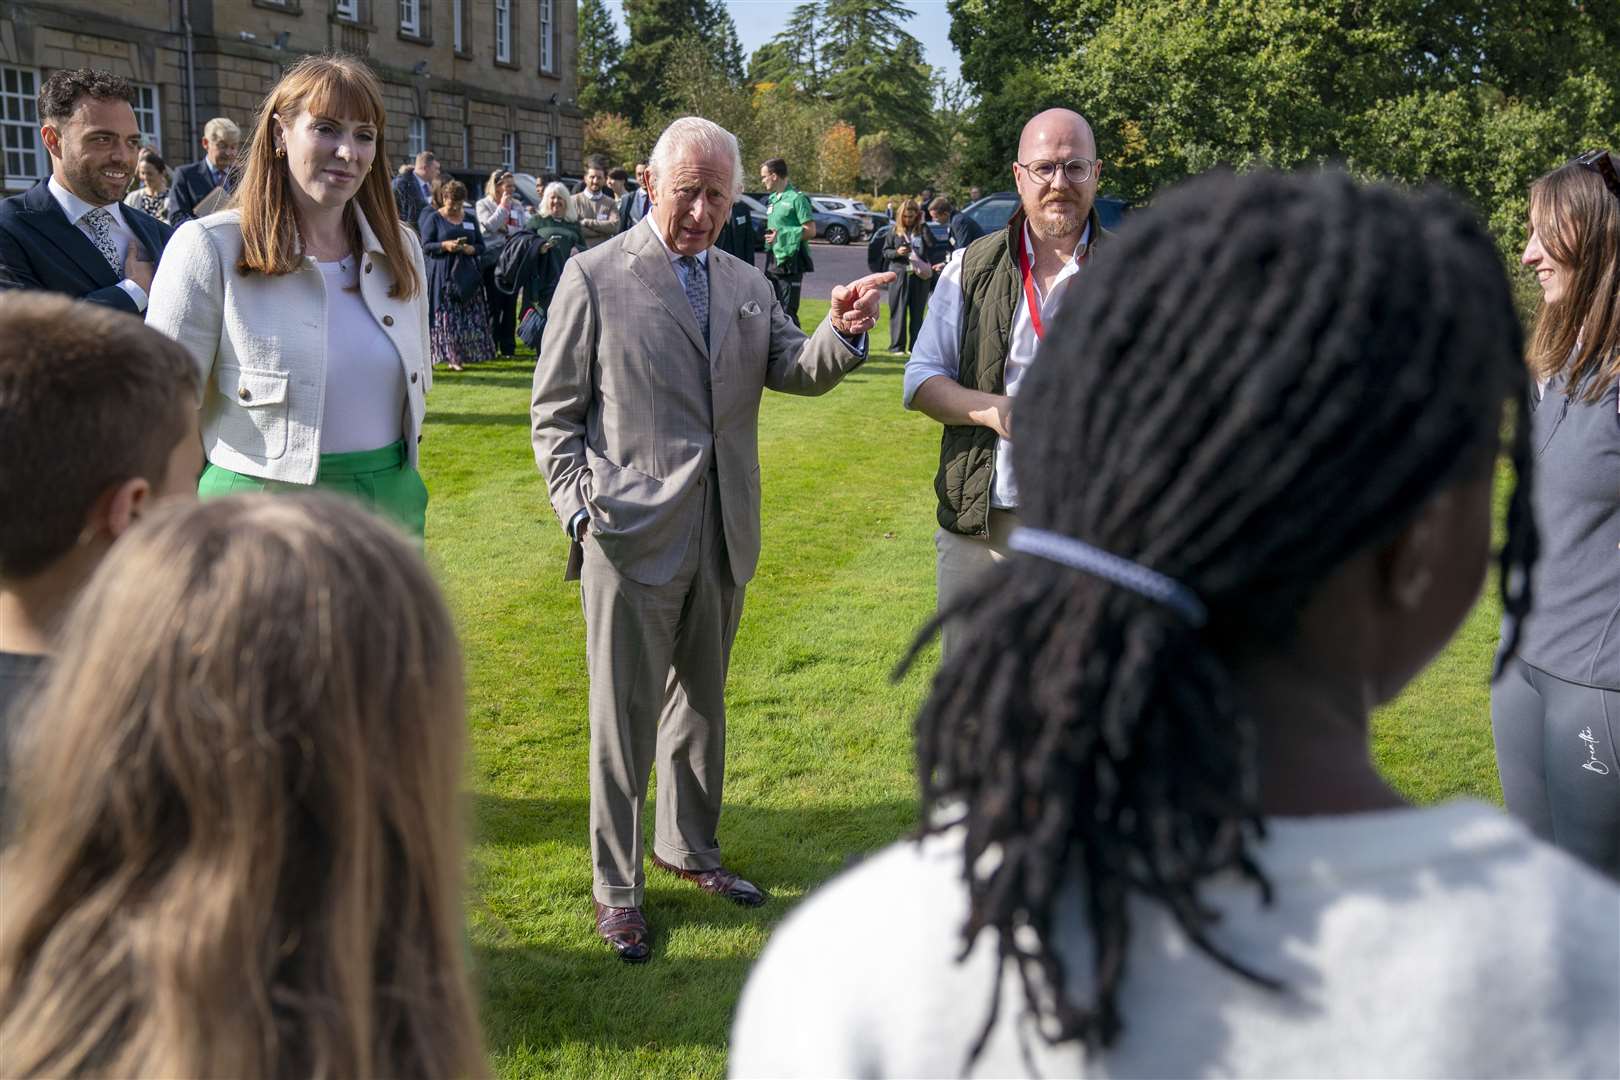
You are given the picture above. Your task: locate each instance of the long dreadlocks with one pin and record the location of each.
(1269, 374)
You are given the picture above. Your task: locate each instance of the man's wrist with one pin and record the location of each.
(136, 293)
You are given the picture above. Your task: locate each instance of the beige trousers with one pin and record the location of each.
(657, 657)
(961, 559)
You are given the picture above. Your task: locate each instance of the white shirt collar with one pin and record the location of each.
(75, 207)
(1079, 247)
(674, 256)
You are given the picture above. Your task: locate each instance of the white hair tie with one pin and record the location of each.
(1079, 555)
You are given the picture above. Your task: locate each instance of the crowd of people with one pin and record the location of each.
(1249, 497)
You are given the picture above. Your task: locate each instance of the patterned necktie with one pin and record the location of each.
(101, 226)
(697, 292)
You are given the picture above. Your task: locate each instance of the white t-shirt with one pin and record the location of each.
(365, 381)
(1432, 942)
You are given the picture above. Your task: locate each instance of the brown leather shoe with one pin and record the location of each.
(719, 882)
(624, 928)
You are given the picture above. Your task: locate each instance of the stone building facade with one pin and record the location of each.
(481, 83)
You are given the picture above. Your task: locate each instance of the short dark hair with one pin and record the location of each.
(425, 157)
(89, 398)
(617, 173)
(449, 189)
(147, 154)
(597, 162)
(62, 90)
(777, 166)
(941, 203)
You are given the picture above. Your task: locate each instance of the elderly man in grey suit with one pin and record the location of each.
(645, 416)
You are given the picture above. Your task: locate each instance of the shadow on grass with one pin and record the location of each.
(550, 987)
(453, 419)
(790, 849)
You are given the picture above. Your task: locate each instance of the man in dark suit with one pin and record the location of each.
(413, 190)
(633, 206)
(737, 235)
(194, 183)
(71, 233)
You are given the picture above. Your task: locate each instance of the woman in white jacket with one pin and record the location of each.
(304, 308)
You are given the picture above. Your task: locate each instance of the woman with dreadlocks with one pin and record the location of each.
(1260, 451)
(1556, 709)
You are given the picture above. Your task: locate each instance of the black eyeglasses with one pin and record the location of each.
(1600, 162)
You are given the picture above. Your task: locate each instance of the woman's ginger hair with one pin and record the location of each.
(330, 85)
(1578, 337)
(238, 841)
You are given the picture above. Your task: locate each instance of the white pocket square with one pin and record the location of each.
(750, 309)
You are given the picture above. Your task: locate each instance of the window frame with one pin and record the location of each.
(553, 153)
(25, 125)
(152, 136)
(503, 31)
(417, 136)
(347, 10)
(548, 37)
(411, 28)
(509, 150)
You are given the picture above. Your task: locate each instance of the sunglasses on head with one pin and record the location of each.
(1601, 163)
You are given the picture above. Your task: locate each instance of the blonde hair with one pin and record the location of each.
(908, 206)
(331, 85)
(238, 847)
(1578, 337)
(570, 211)
(493, 186)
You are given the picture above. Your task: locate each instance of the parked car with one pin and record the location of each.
(833, 228)
(850, 208)
(992, 212)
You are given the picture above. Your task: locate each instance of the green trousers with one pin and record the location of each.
(382, 479)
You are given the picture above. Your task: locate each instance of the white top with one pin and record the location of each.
(1444, 941)
(365, 382)
(121, 234)
(495, 221)
(264, 353)
(937, 352)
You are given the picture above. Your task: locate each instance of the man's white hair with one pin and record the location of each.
(570, 211)
(694, 134)
(222, 127)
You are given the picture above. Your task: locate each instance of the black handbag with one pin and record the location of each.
(465, 278)
(532, 327)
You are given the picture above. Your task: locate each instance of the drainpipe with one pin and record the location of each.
(191, 77)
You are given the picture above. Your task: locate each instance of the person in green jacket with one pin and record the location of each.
(789, 227)
(557, 225)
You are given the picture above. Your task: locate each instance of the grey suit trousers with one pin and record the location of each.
(657, 657)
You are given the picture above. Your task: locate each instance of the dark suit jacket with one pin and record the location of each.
(408, 199)
(628, 218)
(737, 236)
(192, 184)
(41, 249)
(964, 230)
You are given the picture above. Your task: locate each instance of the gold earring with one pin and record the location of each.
(281, 151)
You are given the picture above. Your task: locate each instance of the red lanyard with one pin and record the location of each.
(1030, 298)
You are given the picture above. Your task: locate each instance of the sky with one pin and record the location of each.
(760, 20)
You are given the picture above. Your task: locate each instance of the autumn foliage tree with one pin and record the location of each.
(838, 159)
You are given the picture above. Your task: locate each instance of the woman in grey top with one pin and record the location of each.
(1555, 710)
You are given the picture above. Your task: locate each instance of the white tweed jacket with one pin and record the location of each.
(260, 344)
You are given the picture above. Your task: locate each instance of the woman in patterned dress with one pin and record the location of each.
(460, 316)
(152, 193)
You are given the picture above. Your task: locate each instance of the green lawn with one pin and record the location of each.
(819, 753)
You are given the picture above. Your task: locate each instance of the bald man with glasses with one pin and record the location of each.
(964, 372)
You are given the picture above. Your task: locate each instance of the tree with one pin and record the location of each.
(838, 159)
(612, 136)
(600, 53)
(656, 27)
(878, 161)
(1480, 95)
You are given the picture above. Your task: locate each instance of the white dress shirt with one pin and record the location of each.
(937, 351)
(121, 234)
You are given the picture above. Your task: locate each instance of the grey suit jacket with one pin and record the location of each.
(630, 410)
